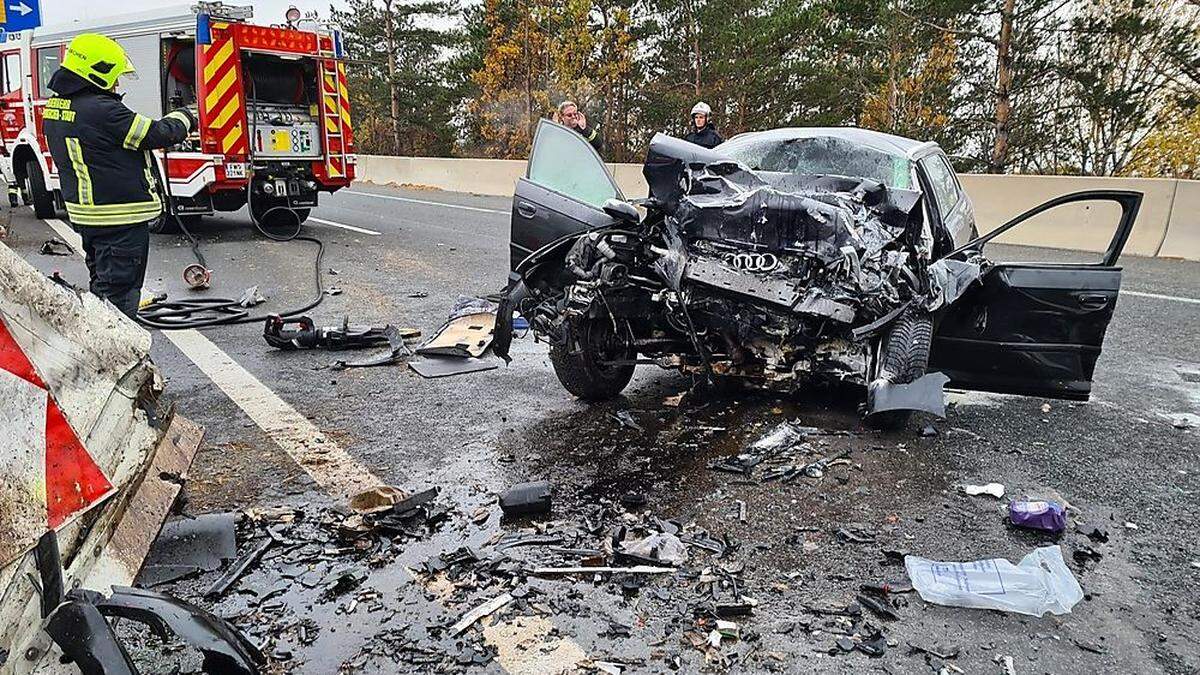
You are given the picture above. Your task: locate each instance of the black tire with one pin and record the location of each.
(903, 358)
(581, 372)
(39, 194)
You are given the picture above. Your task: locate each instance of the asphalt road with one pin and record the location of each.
(1118, 460)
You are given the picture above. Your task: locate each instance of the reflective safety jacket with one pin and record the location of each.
(101, 150)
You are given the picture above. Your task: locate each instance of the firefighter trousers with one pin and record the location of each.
(116, 261)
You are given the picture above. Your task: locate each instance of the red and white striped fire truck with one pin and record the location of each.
(272, 103)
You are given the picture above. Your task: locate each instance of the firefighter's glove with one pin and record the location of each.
(187, 116)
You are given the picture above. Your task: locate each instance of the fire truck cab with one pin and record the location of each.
(274, 113)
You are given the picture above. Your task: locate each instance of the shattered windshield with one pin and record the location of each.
(820, 156)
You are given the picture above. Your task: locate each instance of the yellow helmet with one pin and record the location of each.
(97, 59)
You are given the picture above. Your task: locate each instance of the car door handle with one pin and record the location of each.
(1093, 301)
(526, 210)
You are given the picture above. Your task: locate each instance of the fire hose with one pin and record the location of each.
(166, 314)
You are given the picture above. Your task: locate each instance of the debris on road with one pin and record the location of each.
(379, 498)
(479, 612)
(1093, 531)
(1040, 583)
(56, 246)
(526, 499)
(992, 489)
(432, 367)
(626, 419)
(925, 394)
(1038, 515)
(186, 546)
(635, 569)
(467, 333)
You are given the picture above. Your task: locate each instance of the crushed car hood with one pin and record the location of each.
(858, 248)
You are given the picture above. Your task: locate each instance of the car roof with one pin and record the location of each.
(888, 143)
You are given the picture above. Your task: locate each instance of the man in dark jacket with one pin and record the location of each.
(702, 131)
(106, 175)
(569, 115)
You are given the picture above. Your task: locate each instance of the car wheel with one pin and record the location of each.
(43, 200)
(579, 360)
(902, 358)
(164, 224)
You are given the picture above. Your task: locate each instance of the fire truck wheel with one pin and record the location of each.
(43, 201)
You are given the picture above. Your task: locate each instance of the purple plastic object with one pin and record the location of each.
(1038, 515)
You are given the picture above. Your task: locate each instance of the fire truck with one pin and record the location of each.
(272, 104)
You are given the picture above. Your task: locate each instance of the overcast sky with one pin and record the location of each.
(265, 11)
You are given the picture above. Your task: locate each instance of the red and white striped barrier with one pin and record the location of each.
(84, 446)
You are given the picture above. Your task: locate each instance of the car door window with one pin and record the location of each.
(941, 180)
(48, 59)
(563, 161)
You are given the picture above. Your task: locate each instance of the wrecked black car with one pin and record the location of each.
(783, 256)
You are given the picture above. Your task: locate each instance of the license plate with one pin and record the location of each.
(235, 170)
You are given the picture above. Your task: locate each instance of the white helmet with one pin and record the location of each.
(701, 108)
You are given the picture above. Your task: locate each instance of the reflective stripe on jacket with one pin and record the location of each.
(101, 150)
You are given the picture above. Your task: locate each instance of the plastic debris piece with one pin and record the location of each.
(526, 499)
(658, 547)
(1038, 515)
(1097, 533)
(923, 395)
(993, 489)
(1040, 583)
(479, 612)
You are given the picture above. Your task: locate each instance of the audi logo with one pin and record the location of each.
(754, 262)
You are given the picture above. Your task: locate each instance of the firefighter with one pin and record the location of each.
(106, 175)
(702, 131)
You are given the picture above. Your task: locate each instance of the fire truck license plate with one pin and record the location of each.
(235, 170)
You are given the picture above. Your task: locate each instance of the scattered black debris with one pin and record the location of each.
(1093, 531)
(879, 607)
(526, 499)
(627, 420)
(239, 568)
(418, 294)
(1086, 556)
(56, 246)
(186, 546)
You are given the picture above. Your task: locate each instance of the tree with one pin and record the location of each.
(401, 82)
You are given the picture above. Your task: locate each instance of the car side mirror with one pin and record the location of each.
(623, 211)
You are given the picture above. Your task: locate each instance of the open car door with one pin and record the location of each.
(563, 191)
(1035, 328)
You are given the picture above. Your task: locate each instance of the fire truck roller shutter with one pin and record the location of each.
(144, 94)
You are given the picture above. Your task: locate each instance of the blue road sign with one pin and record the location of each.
(18, 15)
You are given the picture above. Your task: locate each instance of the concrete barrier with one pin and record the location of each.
(1168, 224)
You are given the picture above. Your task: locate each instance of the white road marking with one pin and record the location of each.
(352, 228)
(1158, 296)
(333, 469)
(427, 203)
(327, 463)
